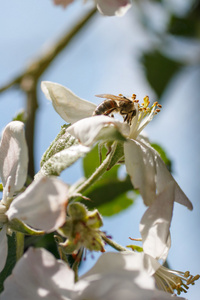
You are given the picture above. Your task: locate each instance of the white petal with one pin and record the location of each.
(155, 224)
(92, 129)
(113, 7)
(8, 191)
(38, 275)
(14, 155)
(120, 263)
(119, 276)
(149, 173)
(141, 167)
(163, 176)
(69, 106)
(3, 248)
(151, 265)
(42, 205)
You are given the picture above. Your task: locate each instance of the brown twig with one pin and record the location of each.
(28, 81)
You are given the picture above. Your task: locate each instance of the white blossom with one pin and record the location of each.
(155, 233)
(39, 275)
(105, 7)
(147, 170)
(41, 205)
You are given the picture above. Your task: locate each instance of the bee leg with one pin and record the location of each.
(126, 118)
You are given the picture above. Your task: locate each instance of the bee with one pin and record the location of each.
(116, 104)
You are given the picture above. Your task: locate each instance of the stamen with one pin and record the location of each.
(146, 101)
(171, 280)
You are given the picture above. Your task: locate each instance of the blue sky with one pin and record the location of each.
(104, 59)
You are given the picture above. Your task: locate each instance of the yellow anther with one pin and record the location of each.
(157, 110)
(134, 96)
(120, 95)
(159, 105)
(187, 274)
(192, 279)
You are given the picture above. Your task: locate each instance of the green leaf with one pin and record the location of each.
(163, 155)
(109, 190)
(187, 26)
(115, 206)
(159, 70)
(11, 260)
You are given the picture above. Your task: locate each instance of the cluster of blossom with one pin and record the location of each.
(48, 205)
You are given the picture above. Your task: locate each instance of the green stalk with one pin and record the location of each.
(112, 243)
(95, 176)
(76, 264)
(19, 245)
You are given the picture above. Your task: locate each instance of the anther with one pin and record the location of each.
(134, 96)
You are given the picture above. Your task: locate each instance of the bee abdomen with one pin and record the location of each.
(105, 108)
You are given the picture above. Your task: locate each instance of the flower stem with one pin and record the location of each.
(95, 176)
(19, 245)
(112, 243)
(76, 264)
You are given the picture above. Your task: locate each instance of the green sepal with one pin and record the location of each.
(117, 154)
(17, 225)
(21, 116)
(62, 141)
(135, 248)
(110, 133)
(61, 161)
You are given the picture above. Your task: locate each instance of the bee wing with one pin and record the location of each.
(112, 97)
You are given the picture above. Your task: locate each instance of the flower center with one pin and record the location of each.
(144, 114)
(170, 280)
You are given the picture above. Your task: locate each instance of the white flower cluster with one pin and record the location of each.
(43, 205)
